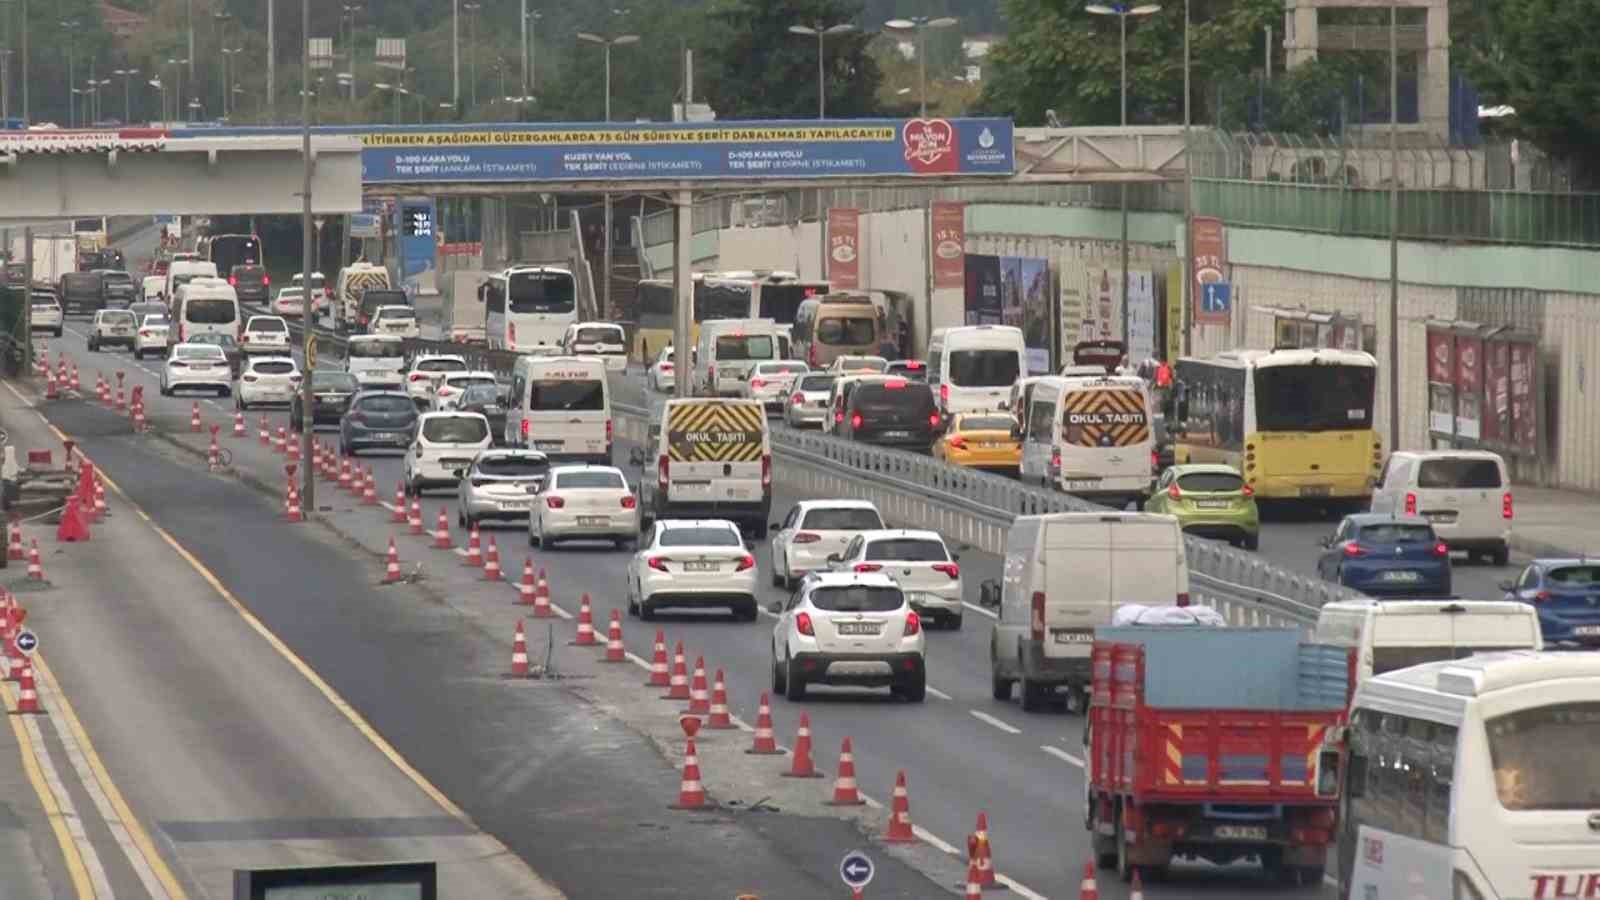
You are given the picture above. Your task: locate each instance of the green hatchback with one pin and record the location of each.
(1209, 501)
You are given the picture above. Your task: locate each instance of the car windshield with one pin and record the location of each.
(861, 364)
(598, 479)
(1396, 533)
(1544, 757)
(209, 354)
(598, 335)
(815, 383)
(984, 423)
(225, 341)
(460, 382)
(841, 519)
(984, 368)
(907, 550)
(210, 311)
(116, 318)
(898, 394)
(782, 368)
(264, 325)
(291, 294)
(456, 430)
(743, 346)
(551, 396)
(1458, 472)
(1575, 576)
(542, 291)
(857, 598)
(391, 312)
(700, 537)
(1314, 398)
(155, 320)
(375, 350)
(441, 365)
(852, 331)
(272, 367)
(513, 466)
(326, 381)
(119, 279)
(481, 395)
(388, 403)
(1210, 482)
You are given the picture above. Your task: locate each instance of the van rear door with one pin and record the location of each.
(714, 451)
(1461, 496)
(1077, 584)
(568, 413)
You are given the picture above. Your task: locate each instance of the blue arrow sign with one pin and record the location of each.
(1218, 297)
(856, 869)
(27, 642)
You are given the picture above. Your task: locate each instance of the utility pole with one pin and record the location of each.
(309, 477)
(455, 53)
(189, 11)
(272, 64)
(1394, 228)
(523, 23)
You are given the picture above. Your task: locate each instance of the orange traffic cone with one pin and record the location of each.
(1088, 889)
(414, 523)
(369, 489)
(14, 549)
(980, 854)
(974, 890)
(291, 506)
(27, 694)
(265, 432)
(678, 687)
(397, 515)
(803, 766)
(74, 522)
(585, 636)
(699, 694)
(100, 507)
(280, 441)
(525, 592)
(691, 794)
(73, 384)
(35, 567)
(844, 783)
(491, 562)
(519, 653)
(344, 474)
(615, 652)
(441, 532)
(239, 429)
(358, 481)
(659, 676)
(719, 718)
(541, 599)
(474, 555)
(194, 417)
(765, 744)
(1138, 886)
(391, 569)
(50, 388)
(900, 814)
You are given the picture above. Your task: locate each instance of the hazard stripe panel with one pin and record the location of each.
(715, 432)
(1109, 417)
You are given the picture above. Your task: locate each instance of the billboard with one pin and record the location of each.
(1210, 242)
(1484, 388)
(418, 231)
(949, 244)
(844, 248)
(1015, 291)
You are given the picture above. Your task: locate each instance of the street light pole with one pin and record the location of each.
(272, 64)
(606, 43)
(472, 7)
(522, 23)
(308, 479)
(920, 25)
(1187, 292)
(820, 31)
(1394, 228)
(455, 52)
(127, 93)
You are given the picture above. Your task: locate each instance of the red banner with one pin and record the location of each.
(1469, 364)
(844, 248)
(1441, 366)
(1210, 259)
(1497, 391)
(1524, 400)
(469, 248)
(949, 244)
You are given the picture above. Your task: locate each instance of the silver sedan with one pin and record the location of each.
(500, 486)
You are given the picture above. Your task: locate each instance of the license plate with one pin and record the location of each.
(594, 520)
(1320, 490)
(1240, 832)
(1443, 518)
(1074, 637)
(386, 436)
(1586, 630)
(549, 445)
(1082, 485)
(1213, 504)
(120, 331)
(896, 434)
(1403, 576)
(858, 628)
(513, 504)
(991, 445)
(700, 567)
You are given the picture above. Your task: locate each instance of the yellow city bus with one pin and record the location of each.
(1296, 423)
(725, 295)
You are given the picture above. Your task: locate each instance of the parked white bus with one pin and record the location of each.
(1473, 779)
(529, 306)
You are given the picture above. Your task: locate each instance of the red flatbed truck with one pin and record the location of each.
(1203, 743)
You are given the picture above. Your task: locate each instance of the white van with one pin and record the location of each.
(1464, 494)
(376, 360)
(713, 460)
(972, 368)
(561, 406)
(207, 305)
(1091, 436)
(727, 350)
(1065, 574)
(181, 272)
(606, 340)
(1396, 634)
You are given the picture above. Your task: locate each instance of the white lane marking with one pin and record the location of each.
(1062, 755)
(73, 821)
(980, 610)
(991, 720)
(1018, 887)
(929, 837)
(938, 693)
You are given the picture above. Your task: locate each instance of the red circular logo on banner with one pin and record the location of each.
(930, 146)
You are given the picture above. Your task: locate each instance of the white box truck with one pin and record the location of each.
(54, 255)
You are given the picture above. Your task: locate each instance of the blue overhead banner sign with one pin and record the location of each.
(686, 150)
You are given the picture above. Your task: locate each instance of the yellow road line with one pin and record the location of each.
(52, 811)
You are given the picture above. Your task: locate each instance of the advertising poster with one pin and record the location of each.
(1210, 256)
(949, 244)
(1141, 317)
(983, 291)
(1035, 322)
(1469, 386)
(1011, 291)
(1441, 381)
(844, 248)
(1102, 309)
(1496, 392)
(1072, 312)
(1524, 410)
(1174, 308)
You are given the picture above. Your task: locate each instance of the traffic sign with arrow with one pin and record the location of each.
(856, 869)
(27, 642)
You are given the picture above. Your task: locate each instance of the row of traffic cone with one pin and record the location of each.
(1089, 888)
(18, 665)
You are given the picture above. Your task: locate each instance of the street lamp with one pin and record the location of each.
(606, 43)
(161, 88)
(70, 26)
(229, 69)
(920, 25)
(472, 7)
(396, 90)
(1122, 13)
(177, 87)
(219, 31)
(349, 13)
(820, 32)
(530, 37)
(127, 95)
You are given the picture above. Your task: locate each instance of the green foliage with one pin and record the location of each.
(759, 70)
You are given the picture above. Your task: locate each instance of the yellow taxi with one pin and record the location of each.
(980, 441)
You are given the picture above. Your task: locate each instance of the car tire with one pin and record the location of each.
(954, 622)
(1500, 556)
(779, 685)
(245, 407)
(758, 532)
(1033, 695)
(646, 611)
(913, 691)
(164, 391)
(57, 332)
(778, 580)
(751, 611)
(794, 684)
(1251, 542)
(999, 686)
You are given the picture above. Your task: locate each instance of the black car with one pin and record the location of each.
(486, 400)
(331, 391)
(892, 411)
(374, 298)
(378, 419)
(229, 345)
(79, 293)
(250, 283)
(117, 289)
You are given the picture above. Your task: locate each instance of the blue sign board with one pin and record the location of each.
(675, 151)
(416, 226)
(27, 641)
(856, 869)
(1217, 297)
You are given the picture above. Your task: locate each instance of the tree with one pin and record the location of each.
(758, 70)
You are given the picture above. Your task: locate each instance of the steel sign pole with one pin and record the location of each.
(1122, 193)
(683, 292)
(604, 310)
(1394, 232)
(309, 481)
(1187, 292)
(272, 64)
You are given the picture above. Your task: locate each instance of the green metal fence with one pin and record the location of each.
(1509, 217)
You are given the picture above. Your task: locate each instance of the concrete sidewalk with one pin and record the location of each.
(1552, 522)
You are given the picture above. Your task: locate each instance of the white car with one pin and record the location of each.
(267, 379)
(265, 334)
(918, 561)
(153, 336)
(584, 503)
(47, 314)
(400, 321)
(858, 364)
(452, 385)
(445, 443)
(815, 530)
(152, 288)
(771, 382)
(663, 376)
(426, 371)
(113, 327)
(199, 366)
(321, 294)
(291, 302)
(848, 628)
(693, 563)
(808, 400)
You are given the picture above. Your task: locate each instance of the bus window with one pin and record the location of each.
(542, 292)
(1314, 397)
(1544, 759)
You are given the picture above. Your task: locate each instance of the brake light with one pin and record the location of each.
(180, 332)
(233, 280)
(659, 563)
(663, 472)
(1174, 493)
(806, 537)
(1353, 549)
(1411, 504)
(145, 332)
(1155, 460)
(811, 356)
(746, 562)
(249, 378)
(913, 365)
(766, 471)
(800, 400)
(758, 382)
(609, 430)
(177, 364)
(950, 569)
(1505, 505)
(933, 420)
(855, 420)
(838, 417)
(666, 367)
(1055, 460)
(554, 502)
(913, 624)
(802, 624)
(1248, 491)
(711, 373)
(1183, 598)
(958, 442)
(418, 376)
(511, 333)
(1036, 623)
(944, 396)
(266, 280)
(868, 567)
(1441, 549)
(524, 429)
(895, 384)
(1541, 597)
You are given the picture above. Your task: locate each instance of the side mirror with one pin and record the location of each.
(1326, 542)
(636, 457)
(459, 473)
(835, 558)
(1355, 782)
(774, 526)
(776, 606)
(955, 557)
(989, 594)
(1508, 586)
(1327, 772)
